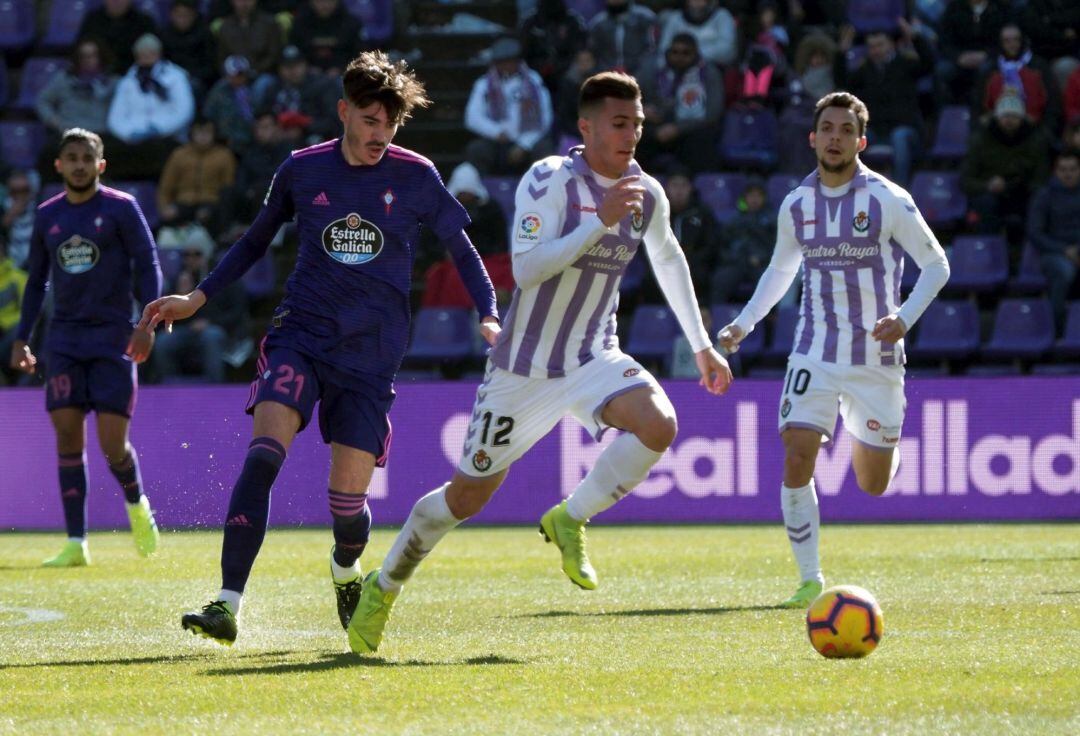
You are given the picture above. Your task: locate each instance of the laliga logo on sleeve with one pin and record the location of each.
(529, 228)
(352, 240)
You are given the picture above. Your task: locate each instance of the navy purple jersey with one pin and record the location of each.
(347, 299)
(88, 254)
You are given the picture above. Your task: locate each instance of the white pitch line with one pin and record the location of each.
(30, 615)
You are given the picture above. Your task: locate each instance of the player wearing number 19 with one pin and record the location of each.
(340, 333)
(86, 243)
(850, 228)
(579, 220)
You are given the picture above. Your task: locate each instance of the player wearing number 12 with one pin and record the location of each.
(579, 221)
(850, 228)
(340, 333)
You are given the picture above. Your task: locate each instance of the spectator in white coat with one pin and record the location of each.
(712, 26)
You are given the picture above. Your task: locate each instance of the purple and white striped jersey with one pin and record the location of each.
(851, 242)
(568, 267)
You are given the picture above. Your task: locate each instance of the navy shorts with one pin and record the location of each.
(101, 384)
(355, 417)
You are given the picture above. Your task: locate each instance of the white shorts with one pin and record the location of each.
(512, 413)
(870, 398)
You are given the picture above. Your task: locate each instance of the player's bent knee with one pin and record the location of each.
(659, 432)
(873, 486)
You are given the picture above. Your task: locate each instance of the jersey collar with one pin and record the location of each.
(580, 166)
(859, 180)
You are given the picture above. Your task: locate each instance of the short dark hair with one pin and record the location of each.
(372, 77)
(847, 101)
(1067, 153)
(82, 135)
(600, 86)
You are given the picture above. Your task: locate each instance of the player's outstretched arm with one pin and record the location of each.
(22, 359)
(714, 370)
(169, 309)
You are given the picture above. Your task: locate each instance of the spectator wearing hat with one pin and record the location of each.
(1018, 72)
(304, 101)
(489, 231)
(327, 35)
(117, 25)
(623, 35)
(1053, 227)
(712, 25)
(684, 99)
(189, 44)
(510, 110)
(231, 103)
(194, 177)
(1007, 159)
(152, 108)
(196, 348)
(251, 33)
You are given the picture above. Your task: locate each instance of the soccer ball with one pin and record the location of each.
(845, 621)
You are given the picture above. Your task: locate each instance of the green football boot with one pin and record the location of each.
(143, 527)
(371, 615)
(568, 534)
(805, 595)
(74, 554)
(215, 621)
(347, 594)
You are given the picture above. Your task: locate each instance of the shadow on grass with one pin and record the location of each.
(653, 612)
(348, 660)
(1061, 592)
(162, 659)
(1030, 559)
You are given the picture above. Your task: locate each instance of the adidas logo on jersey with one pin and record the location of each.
(321, 200)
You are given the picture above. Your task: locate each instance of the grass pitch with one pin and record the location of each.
(982, 635)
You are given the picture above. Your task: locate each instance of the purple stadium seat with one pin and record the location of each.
(1069, 344)
(723, 314)
(587, 9)
(65, 20)
(938, 196)
(377, 17)
(36, 73)
(20, 143)
(911, 274)
(783, 332)
(16, 24)
(442, 334)
(778, 187)
(720, 193)
(1023, 328)
(875, 15)
(948, 330)
(145, 193)
(750, 138)
(260, 281)
(953, 130)
(502, 189)
(652, 332)
(979, 263)
(1029, 278)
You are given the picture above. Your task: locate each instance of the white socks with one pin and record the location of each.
(802, 520)
(344, 574)
(429, 521)
(620, 467)
(233, 598)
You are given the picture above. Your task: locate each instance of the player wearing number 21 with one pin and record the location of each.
(579, 219)
(340, 333)
(850, 228)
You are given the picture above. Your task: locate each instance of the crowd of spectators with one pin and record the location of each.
(206, 103)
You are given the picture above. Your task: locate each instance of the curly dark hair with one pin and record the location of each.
(847, 101)
(373, 77)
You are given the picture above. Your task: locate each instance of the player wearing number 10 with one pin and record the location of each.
(340, 333)
(850, 228)
(579, 221)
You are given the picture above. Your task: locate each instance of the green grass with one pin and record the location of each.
(982, 635)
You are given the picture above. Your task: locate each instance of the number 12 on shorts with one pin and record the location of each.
(501, 435)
